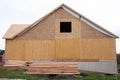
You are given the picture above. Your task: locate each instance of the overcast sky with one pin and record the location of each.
(104, 12)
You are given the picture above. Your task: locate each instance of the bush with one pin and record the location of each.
(118, 58)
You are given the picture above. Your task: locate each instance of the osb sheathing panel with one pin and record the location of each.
(89, 32)
(30, 50)
(67, 49)
(40, 50)
(47, 27)
(45, 42)
(63, 16)
(102, 49)
(14, 50)
(61, 50)
(45, 51)
(44, 30)
(61, 13)
(75, 33)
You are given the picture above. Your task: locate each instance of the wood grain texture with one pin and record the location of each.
(90, 33)
(52, 68)
(63, 16)
(45, 42)
(14, 50)
(45, 30)
(75, 27)
(101, 49)
(67, 49)
(40, 50)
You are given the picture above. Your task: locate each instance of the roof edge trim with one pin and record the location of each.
(70, 12)
(95, 27)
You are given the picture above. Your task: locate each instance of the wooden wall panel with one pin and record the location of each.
(63, 16)
(102, 49)
(108, 50)
(8, 50)
(75, 28)
(45, 30)
(45, 42)
(36, 50)
(87, 32)
(62, 49)
(21, 49)
(51, 50)
(47, 50)
(14, 50)
(28, 50)
(40, 50)
(67, 49)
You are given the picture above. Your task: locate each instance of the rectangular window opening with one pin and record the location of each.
(65, 27)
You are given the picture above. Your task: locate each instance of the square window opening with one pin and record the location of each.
(65, 27)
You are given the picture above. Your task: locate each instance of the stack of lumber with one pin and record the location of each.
(15, 64)
(52, 68)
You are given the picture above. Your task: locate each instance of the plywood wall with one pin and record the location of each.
(102, 49)
(75, 33)
(67, 49)
(30, 50)
(62, 50)
(88, 32)
(45, 42)
(45, 30)
(14, 50)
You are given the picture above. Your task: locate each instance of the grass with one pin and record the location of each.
(20, 75)
(17, 75)
(118, 66)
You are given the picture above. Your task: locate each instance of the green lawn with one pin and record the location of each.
(17, 75)
(20, 75)
(118, 66)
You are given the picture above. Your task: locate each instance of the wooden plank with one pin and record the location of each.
(52, 73)
(15, 64)
(52, 68)
(50, 65)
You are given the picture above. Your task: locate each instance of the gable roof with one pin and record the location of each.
(14, 30)
(25, 28)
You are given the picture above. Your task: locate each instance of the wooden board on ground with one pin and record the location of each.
(15, 64)
(52, 68)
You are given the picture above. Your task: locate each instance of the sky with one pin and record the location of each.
(106, 13)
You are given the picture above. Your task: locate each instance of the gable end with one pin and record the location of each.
(74, 14)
